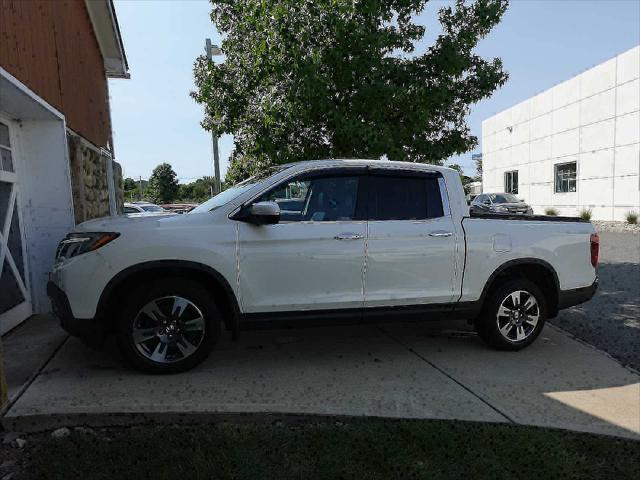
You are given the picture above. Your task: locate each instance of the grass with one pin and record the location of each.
(550, 211)
(372, 449)
(585, 214)
(632, 218)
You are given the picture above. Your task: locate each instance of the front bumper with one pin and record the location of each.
(576, 296)
(89, 330)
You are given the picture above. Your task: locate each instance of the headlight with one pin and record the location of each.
(75, 244)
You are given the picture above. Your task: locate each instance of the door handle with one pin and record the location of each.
(348, 236)
(440, 233)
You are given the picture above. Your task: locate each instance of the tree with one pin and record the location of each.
(130, 184)
(463, 178)
(341, 78)
(131, 188)
(163, 185)
(477, 158)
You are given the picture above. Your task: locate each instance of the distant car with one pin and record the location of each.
(143, 208)
(179, 207)
(499, 203)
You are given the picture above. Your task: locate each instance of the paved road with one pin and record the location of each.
(611, 320)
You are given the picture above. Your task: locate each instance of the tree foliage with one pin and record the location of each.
(129, 184)
(197, 191)
(342, 78)
(478, 162)
(163, 184)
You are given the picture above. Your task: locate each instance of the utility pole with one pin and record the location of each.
(216, 162)
(140, 188)
(210, 51)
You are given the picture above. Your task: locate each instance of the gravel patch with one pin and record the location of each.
(619, 227)
(610, 321)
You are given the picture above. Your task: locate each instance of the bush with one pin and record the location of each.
(585, 214)
(550, 211)
(632, 218)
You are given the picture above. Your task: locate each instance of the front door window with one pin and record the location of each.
(316, 199)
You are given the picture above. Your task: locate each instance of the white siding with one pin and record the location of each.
(592, 119)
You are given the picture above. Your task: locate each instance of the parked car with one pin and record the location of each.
(499, 203)
(179, 207)
(370, 241)
(144, 208)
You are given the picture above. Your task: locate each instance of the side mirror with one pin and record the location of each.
(264, 213)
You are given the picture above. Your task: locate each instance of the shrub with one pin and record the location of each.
(632, 218)
(585, 214)
(550, 211)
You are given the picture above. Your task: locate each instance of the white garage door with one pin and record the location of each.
(15, 298)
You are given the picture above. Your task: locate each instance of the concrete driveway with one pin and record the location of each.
(401, 370)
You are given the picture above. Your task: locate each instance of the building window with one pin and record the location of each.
(511, 182)
(565, 177)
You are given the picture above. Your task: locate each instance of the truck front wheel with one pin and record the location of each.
(513, 315)
(168, 326)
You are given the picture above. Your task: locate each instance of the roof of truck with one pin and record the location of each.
(363, 161)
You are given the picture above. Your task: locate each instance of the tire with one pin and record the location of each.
(506, 332)
(168, 326)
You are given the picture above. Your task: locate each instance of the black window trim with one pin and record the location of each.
(511, 172)
(366, 171)
(555, 177)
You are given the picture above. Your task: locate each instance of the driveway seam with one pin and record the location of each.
(443, 372)
(30, 380)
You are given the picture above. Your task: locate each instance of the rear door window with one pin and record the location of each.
(397, 196)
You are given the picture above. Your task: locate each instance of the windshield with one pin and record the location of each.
(504, 198)
(230, 193)
(152, 208)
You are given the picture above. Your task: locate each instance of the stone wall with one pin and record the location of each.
(89, 180)
(118, 183)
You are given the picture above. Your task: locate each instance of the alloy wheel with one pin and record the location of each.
(168, 329)
(518, 316)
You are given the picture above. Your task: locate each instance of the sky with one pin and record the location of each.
(541, 43)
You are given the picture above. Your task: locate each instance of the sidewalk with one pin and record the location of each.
(27, 348)
(401, 370)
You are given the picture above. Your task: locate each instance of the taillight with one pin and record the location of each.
(595, 248)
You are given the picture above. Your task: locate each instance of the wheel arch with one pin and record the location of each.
(534, 269)
(113, 295)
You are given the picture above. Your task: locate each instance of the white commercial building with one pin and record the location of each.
(574, 146)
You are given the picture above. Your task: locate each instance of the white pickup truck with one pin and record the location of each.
(315, 242)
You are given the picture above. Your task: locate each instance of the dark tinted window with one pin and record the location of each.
(504, 198)
(409, 197)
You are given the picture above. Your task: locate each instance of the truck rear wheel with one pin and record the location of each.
(513, 315)
(168, 326)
